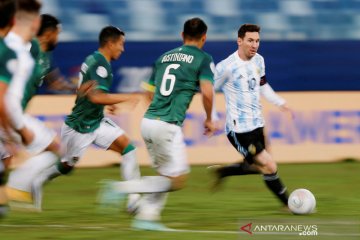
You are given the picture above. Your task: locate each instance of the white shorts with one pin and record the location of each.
(43, 136)
(75, 143)
(166, 147)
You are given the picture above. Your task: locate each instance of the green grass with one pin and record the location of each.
(70, 211)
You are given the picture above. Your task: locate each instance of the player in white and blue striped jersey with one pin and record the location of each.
(242, 78)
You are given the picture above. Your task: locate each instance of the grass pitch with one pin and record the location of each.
(70, 211)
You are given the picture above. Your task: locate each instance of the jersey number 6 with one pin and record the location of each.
(168, 77)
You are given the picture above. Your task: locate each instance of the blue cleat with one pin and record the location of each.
(148, 225)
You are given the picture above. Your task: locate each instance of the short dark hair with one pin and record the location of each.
(109, 33)
(30, 6)
(7, 12)
(48, 22)
(194, 28)
(248, 28)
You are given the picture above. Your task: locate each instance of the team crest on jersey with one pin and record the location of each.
(11, 65)
(102, 72)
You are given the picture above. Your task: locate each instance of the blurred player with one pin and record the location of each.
(242, 79)
(20, 180)
(87, 125)
(41, 49)
(7, 68)
(27, 22)
(176, 77)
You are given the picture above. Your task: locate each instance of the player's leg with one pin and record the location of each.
(5, 159)
(241, 142)
(167, 150)
(20, 179)
(165, 144)
(111, 137)
(74, 145)
(268, 167)
(166, 147)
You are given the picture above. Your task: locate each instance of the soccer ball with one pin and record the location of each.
(301, 201)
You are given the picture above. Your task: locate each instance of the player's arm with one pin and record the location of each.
(270, 95)
(98, 96)
(207, 92)
(56, 81)
(206, 76)
(4, 121)
(149, 87)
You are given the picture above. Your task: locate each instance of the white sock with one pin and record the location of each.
(21, 178)
(129, 166)
(129, 169)
(148, 184)
(151, 206)
(38, 182)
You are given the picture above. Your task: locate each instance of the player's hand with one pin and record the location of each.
(287, 109)
(86, 88)
(209, 128)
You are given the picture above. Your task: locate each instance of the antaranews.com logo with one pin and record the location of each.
(300, 229)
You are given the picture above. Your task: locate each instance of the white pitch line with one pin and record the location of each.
(179, 230)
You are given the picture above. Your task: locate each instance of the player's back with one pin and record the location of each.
(176, 77)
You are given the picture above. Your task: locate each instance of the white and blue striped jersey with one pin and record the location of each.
(242, 82)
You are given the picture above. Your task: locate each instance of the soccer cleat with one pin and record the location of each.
(108, 198)
(217, 179)
(148, 225)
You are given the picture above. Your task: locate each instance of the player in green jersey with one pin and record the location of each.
(177, 76)
(87, 124)
(7, 68)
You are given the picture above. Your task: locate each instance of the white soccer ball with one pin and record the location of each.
(301, 201)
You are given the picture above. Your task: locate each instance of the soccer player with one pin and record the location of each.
(242, 79)
(20, 180)
(87, 125)
(7, 67)
(176, 77)
(27, 21)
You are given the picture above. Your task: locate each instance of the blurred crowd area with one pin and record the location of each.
(292, 30)
(162, 19)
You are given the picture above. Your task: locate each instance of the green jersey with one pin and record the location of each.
(7, 62)
(175, 79)
(86, 116)
(42, 67)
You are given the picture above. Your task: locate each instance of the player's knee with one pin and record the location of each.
(178, 182)
(64, 168)
(270, 167)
